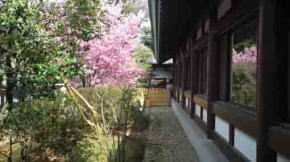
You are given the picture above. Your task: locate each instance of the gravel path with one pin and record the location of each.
(166, 140)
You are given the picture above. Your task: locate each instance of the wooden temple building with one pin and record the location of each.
(200, 36)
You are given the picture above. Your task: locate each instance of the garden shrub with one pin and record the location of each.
(244, 84)
(45, 128)
(54, 129)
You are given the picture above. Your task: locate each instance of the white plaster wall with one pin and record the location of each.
(222, 128)
(186, 102)
(282, 158)
(245, 144)
(189, 103)
(204, 115)
(197, 110)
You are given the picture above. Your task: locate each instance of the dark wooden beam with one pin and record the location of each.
(236, 16)
(192, 85)
(179, 78)
(280, 139)
(195, 76)
(202, 43)
(225, 50)
(165, 66)
(173, 79)
(266, 94)
(185, 87)
(212, 71)
(183, 78)
(176, 78)
(282, 30)
(232, 135)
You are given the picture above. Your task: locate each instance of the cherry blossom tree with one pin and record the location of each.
(248, 55)
(109, 60)
(244, 76)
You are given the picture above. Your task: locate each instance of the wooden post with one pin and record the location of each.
(231, 135)
(212, 73)
(176, 80)
(183, 81)
(192, 84)
(172, 92)
(179, 78)
(282, 49)
(266, 91)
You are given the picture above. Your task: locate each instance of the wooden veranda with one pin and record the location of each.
(198, 35)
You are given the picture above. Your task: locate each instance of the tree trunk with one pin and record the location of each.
(11, 82)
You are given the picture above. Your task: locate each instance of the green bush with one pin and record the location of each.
(55, 128)
(244, 84)
(45, 128)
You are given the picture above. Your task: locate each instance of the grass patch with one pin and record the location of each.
(4, 147)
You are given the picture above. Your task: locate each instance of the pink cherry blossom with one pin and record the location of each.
(248, 55)
(109, 60)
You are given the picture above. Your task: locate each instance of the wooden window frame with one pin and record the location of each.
(225, 93)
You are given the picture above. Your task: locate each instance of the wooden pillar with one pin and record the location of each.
(192, 84)
(183, 84)
(266, 91)
(173, 79)
(232, 135)
(179, 79)
(282, 29)
(176, 79)
(212, 73)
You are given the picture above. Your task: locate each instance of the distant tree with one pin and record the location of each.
(142, 54)
(244, 76)
(129, 7)
(146, 38)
